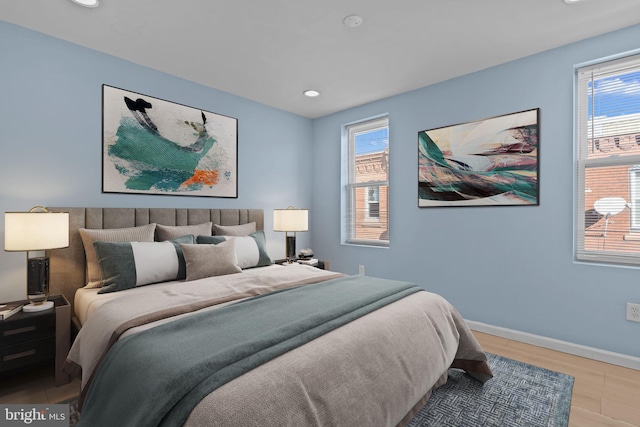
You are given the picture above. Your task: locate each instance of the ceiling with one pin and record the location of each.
(270, 51)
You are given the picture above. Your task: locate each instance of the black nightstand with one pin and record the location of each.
(322, 264)
(29, 339)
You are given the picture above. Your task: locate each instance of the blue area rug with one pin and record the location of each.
(518, 395)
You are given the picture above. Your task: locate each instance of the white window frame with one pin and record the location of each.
(349, 185)
(585, 130)
(634, 199)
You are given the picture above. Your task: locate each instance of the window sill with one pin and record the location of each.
(367, 243)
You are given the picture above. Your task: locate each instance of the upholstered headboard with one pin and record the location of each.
(67, 266)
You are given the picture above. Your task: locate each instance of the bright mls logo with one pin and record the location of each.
(34, 415)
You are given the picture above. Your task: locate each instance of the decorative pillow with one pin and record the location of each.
(234, 230)
(168, 232)
(251, 250)
(210, 240)
(210, 260)
(125, 265)
(143, 233)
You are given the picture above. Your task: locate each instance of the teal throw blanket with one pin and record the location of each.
(156, 377)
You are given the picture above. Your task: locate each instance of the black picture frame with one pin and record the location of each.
(489, 162)
(154, 146)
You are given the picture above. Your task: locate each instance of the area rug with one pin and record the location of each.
(518, 395)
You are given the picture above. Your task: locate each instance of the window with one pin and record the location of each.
(634, 198)
(373, 204)
(366, 190)
(608, 162)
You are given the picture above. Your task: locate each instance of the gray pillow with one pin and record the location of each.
(143, 233)
(168, 232)
(210, 260)
(234, 230)
(125, 265)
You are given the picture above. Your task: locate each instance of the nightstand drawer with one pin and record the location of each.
(26, 353)
(30, 338)
(27, 328)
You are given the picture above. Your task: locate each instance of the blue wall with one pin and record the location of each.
(505, 266)
(510, 266)
(51, 115)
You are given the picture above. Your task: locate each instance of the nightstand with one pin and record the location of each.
(29, 339)
(322, 264)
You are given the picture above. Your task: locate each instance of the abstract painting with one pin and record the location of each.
(489, 162)
(153, 146)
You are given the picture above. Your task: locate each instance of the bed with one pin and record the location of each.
(206, 350)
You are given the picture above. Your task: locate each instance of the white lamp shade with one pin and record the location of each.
(35, 231)
(290, 219)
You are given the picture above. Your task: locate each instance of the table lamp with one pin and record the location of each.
(36, 230)
(290, 220)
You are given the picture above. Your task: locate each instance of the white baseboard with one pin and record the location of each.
(554, 344)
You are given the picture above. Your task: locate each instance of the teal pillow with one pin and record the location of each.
(125, 265)
(251, 250)
(210, 240)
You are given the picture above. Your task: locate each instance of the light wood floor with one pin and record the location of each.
(604, 395)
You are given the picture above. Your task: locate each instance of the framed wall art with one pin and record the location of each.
(489, 162)
(153, 146)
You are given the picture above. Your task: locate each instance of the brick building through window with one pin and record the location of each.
(617, 137)
(371, 220)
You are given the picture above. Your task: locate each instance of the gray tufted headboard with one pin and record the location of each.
(67, 266)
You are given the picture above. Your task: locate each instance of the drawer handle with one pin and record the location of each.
(18, 355)
(19, 330)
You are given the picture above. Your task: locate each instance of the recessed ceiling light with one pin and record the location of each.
(87, 3)
(311, 93)
(352, 21)
(572, 1)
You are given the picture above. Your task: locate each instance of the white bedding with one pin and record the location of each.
(87, 300)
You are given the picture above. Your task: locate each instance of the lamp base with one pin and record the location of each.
(32, 308)
(291, 248)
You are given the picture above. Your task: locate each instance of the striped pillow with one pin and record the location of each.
(126, 265)
(251, 250)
